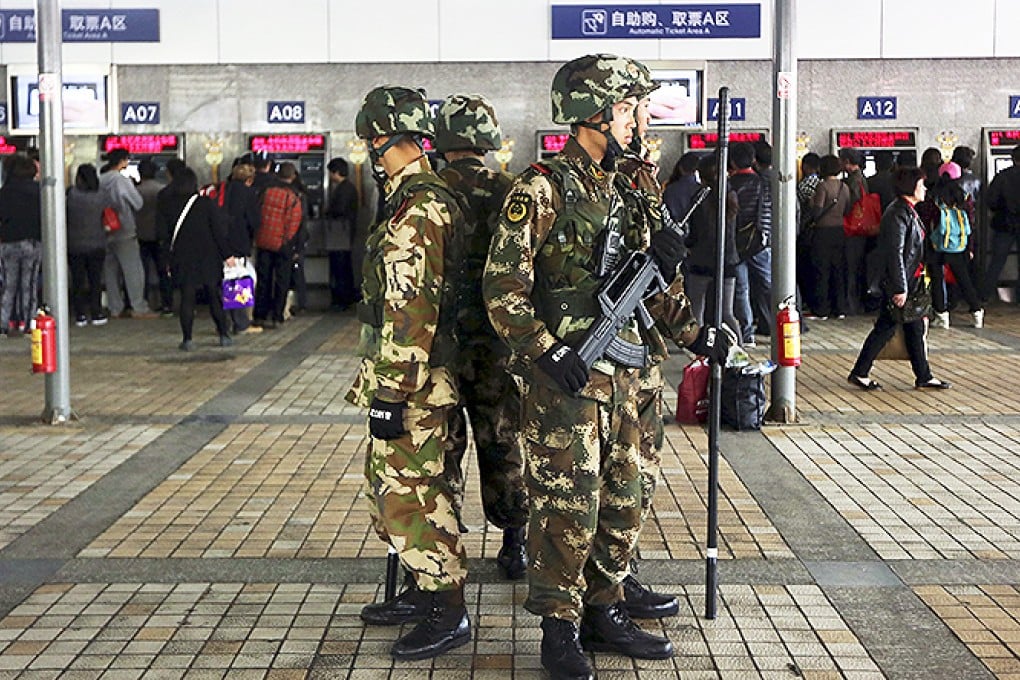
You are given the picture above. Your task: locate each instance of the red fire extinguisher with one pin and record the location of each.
(788, 332)
(44, 343)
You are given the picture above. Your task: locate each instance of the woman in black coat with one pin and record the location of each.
(198, 250)
(901, 253)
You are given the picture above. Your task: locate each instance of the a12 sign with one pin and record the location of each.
(738, 108)
(285, 112)
(876, 108)
(139, 113)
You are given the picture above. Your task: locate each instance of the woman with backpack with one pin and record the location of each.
(947, 216)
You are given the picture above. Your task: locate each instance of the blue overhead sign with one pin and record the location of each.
(738, 108)
(85, 25)
(876, 108)
(285, 112)
(139, 113)
(585, 22)
(1014, 106)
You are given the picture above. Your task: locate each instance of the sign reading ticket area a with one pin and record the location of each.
(587, 22)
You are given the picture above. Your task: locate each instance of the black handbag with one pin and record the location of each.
(742, 396)
(917, 306)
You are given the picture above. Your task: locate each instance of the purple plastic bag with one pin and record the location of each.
(238, 293)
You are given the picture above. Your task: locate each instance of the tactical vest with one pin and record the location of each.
(370, 309)
(566, 267)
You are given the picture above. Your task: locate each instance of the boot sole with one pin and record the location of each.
(661, 613)
(456, 642)
(610, 648)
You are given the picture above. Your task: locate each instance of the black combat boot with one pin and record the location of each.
(644, 603)
(445, 627)
(410, 606)
(562, 655)
(513, 558)
(609, 629)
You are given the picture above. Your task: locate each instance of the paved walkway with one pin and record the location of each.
(205, 519)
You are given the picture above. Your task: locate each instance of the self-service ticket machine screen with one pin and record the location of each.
(709, 141)
(548, 143)
(159, 148)
(307, 151)
(871, 140)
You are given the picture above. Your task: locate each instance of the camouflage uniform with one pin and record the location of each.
(488, 392)
(582, 461)
(408, 350)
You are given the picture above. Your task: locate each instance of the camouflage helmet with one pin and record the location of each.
(389, 110)
(590, 84)
(644, 85)
(467, 121)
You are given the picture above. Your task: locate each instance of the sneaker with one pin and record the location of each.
(841, 317)
(186, 346)
(979, 318)
(225, 341)
(940, 320)
(166, 312)
(81, 322)
(100, 320)
(815, 317)
(749, 344)
(250, 330)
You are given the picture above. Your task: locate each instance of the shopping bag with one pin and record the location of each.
(692, 394)
(896, 348)
(742, 398)
(239, 284)
(864, 217)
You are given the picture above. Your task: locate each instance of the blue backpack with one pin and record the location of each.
(952, 230)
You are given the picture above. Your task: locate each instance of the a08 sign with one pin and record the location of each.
(285, 112)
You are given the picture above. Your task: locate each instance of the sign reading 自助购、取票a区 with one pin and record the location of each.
(703, 20)
(85, 25)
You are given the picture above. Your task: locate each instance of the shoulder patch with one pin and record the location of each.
(517, 207)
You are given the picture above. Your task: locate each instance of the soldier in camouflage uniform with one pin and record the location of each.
(466, 128)
(407, 379)
(646, 199)
(582, 431)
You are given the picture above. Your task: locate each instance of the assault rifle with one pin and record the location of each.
(622, 297)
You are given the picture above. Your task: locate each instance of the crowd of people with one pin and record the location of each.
(156, 247)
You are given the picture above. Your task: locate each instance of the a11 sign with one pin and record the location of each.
(738, 108)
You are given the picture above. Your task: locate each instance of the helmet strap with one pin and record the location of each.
(613, 148)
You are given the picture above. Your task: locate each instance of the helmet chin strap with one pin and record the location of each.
(376, 155)
(613, 148)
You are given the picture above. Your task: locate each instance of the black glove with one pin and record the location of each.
(667, 249)
(565, 367)
(715, 346)
(386, 419)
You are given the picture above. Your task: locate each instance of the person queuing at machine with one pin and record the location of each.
(407, 379)
(243, 215)
(276, 242)
(20, 243)
(579, 423)
(154, 257)
(1003, 202)
(86, 246)
(341, 221)
(754, 229)
(466, 129)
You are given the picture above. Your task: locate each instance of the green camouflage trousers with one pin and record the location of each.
(649, 406)
(582, 468)
(411, 503)
(490, 397)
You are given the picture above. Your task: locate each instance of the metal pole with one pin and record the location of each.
(54, 233)
(715, 397)
(784, 192)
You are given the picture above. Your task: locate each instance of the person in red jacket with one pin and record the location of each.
(275, 246)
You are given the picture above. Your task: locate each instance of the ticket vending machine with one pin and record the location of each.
(157, 147)
(308, 152)
(997, 148)
(870, 140)
(709, 141)
(548, 143)
(10, 146)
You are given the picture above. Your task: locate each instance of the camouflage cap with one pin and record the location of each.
(587, 85)
(467, 121)
(389, 110)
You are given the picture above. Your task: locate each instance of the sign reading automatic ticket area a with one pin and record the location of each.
(586, 22)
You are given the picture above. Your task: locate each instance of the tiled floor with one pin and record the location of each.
(818, 521)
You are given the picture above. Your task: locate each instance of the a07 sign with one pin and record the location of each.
(139, 113)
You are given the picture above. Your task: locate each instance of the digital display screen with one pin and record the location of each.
(876, 139)
(677, 102)
(552, 143)
(9, 147)
(296, 143)
(85, 102)
(1002, 162)
(1003, 137)
(140, 144)
(697, 141)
